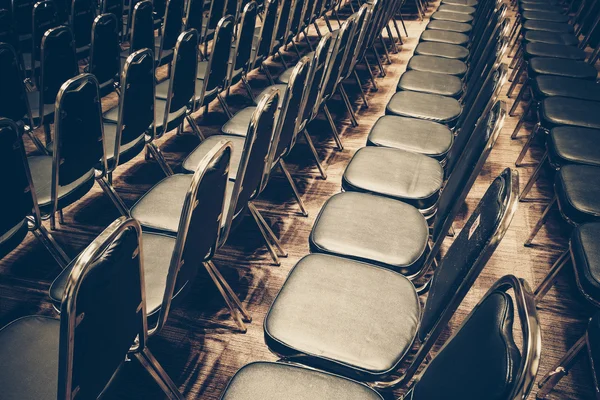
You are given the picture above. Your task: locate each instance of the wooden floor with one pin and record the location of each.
(198, 347)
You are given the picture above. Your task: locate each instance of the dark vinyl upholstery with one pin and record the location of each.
(567, 111)
(430, 82)
(437, 64)
(585, 254)
(577, 189)
(573, 145)
(426, 106)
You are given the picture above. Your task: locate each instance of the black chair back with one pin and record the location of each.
(7, 30)
(316, 78)
(44, 17)
(116, 8)
(102, 312)
(13, 97)
(172, 26)
(242, 50)
(355, 43)
(284, 20)
(231, 8)
(296, 20)
(194, 15)
(105, 52)
(21, 11)
(142, 27)
(267, 32)
(81, 21)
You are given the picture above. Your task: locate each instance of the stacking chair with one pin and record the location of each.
(141, 32)
(7, 30)
(45, 16)
(485, 338)
(116, 8)
(22, 212)
(283, 25)
(294, 25)
(21, 13)
(105, 52)
(59, 64)
(81, 21)
(170, 263)
(394, 234)
(168, 195)
(306, 21)
(194, 14)
(172, 26)
(14, 101)
(264, 42)
(46, 358)
(209, 24)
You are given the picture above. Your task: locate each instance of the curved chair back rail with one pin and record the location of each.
(45, 16)
(266, 37)
(356, 42)
(284, 20)
(116, 8)
(242, 50)
(171, 28)
(105, 53)
(142, 27)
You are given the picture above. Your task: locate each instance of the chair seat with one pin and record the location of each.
(34, 102)
(470, 3)
(427, 106)
(371, 228)
(399, 174)
(457, 8)
(553, 51)
(568, 39)
(276, 381)
(574, 145)
(41, 175)
(577, 189)
(429, 82)
(190, 164)
(438, 65)
(238, 124)
(411, 134)
(561, 67)
(544, 7)
(29, 358)
(585, 253)
(111, 115)
(160, 108)
(439, 36)
(442, 50)
(547, 85)
(449, 26)
(545, 16)
(279, 86)
(547, 26)
(126, 151)
(452, 16)
(566, 111)
(326, 309)
(157, 250)
(201, 72)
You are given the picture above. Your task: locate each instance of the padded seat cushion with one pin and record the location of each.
(239, 123)
(547, 85)
(480, 362)
(128, 149)
(452, 16)
(371, 228)
(438, 65)
(470, 3)
(574, 145)
(561, 67)
(554, 51)
(544, 7)
(551, 38)
(41, 174)
(566, 111)
(29, 358)
(449, 26)
(547, 26)
(399, 174)
(277, 381)
(157, 252)
(351, 318)
(585, 253)
(577, 189)
(449, 37)
(457, 8)
(442, 50)
(411, 134)
(545, 16)
(193, 159)
(429, 82)
(427, 106)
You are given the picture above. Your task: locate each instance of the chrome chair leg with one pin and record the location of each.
(195, 126)
(534, 177)
(52, 221)
(551, 379)
(246, 317)
(113, 196)
(269, 231)
(293, 186)
(265, 69)
(224, 105)
(362, 92)
(310, 46)
(336, 135)
(249, 88)
(319, 34)
(264, 234)
(403, 24)
(397, 28)
(379, 63)
(527, 145)
(154, 150)
(327, 22)
(51, 245)
(540, 223)
(348, 104)
(550, 279)
(375, 88)
(282, 58)
(61, 217)
(228, 299)
(315, 155)
(157, 372)
(522, 119)
(516, 57)
(518, 99)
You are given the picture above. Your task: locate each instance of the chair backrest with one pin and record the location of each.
(136, 103)
(59, 63)
(182, 83)
(367, 30)
(481, 360)
(18, 193)
(44, 17)
(317, 77)
(160, 8)
(7, 30)
(95, 336)
(194, 15)
(78, 133)
(81, 21)
(296, 19)
(172, 25)
(200, 223)
(308, 14)
(142, 27)
(13, 97)
(254, 159)
(267, 31)
(337, 58)
(480, 54)
(105, 52)
(242, 48)
(356, 41)
(465, 259)
(21, 11)
(284, 20)
(291, 109)
(215, 13)
(114, 7)
(231, 7)
(218, 60)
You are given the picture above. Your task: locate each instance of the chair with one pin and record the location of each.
(172, 26)
(194, 14)
(45, 16)
(209, 24)
(45, 358)
(22, 212)
(264, 42)
(168, 195)
(170, 263)
(116, 8)
(81, 20)
(142, 29)
(105, 52)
